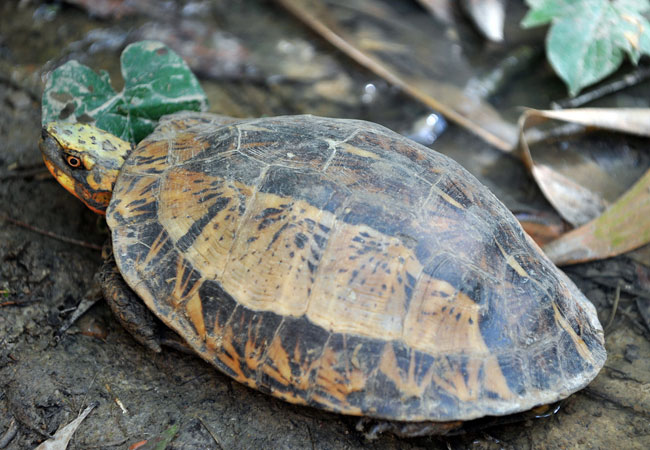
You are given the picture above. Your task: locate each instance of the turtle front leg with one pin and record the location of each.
(127, 307)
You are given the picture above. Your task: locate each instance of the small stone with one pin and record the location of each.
(19, 100)
(631, 353)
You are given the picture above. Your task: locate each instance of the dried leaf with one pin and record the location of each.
(622, 227)
(625, 120)
(577, 204)
(543, 227)
(63, 435)
(575, 185)
(440, 9)
(488, 16)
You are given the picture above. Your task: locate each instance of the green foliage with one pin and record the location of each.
(162, 441)
(588, 39)
(156, 82)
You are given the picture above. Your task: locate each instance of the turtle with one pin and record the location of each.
(331, 263)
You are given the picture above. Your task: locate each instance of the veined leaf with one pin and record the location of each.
(588, 39)
(543, 12)
(156, 82)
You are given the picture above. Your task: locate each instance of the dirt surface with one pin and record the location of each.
(45, 382)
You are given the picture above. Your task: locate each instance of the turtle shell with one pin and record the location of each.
(336, 264)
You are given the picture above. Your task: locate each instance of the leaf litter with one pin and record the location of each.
(62, 437)
(604, 229)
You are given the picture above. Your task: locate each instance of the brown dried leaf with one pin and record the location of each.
(543, 227)
(575, 185)
(488, 16)
(440, 9)
(622, 227)
(63, 435)
(624, 120)
(576, 203)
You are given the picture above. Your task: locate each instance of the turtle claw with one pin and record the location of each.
(373, 428)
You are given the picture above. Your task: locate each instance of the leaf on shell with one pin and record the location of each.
(156, 82)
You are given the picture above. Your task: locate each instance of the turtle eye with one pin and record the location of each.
(73, 161)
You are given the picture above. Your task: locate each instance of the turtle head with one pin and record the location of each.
(85, 160)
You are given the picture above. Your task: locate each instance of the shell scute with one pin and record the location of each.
(314, 188)
(217, 306)
(291, 359)
(540, 362)
(513, 368)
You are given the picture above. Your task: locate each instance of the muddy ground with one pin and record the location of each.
(45, 382)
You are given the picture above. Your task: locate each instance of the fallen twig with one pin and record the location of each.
(10, 434)
(591, 392)
(605, 280)
(116, 399)
(628, 314)
(617, 298)
(628, 80)
(50, 234)
(214, 437)
(643, 313)
(28, 173)
(620, 375)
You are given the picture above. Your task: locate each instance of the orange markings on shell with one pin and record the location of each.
(281, 262)
(336, 384)
(279, 369)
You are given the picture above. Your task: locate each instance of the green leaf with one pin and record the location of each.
(644, 40)
(156, 82)
(72, 90)
(588, 39)
(162, 441)
(581, 49)
(636, 6)
(543, 12)
(633, 34)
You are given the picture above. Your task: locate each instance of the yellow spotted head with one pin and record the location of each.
(85, 160)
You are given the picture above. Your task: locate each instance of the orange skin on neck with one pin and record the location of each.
(100, 197)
